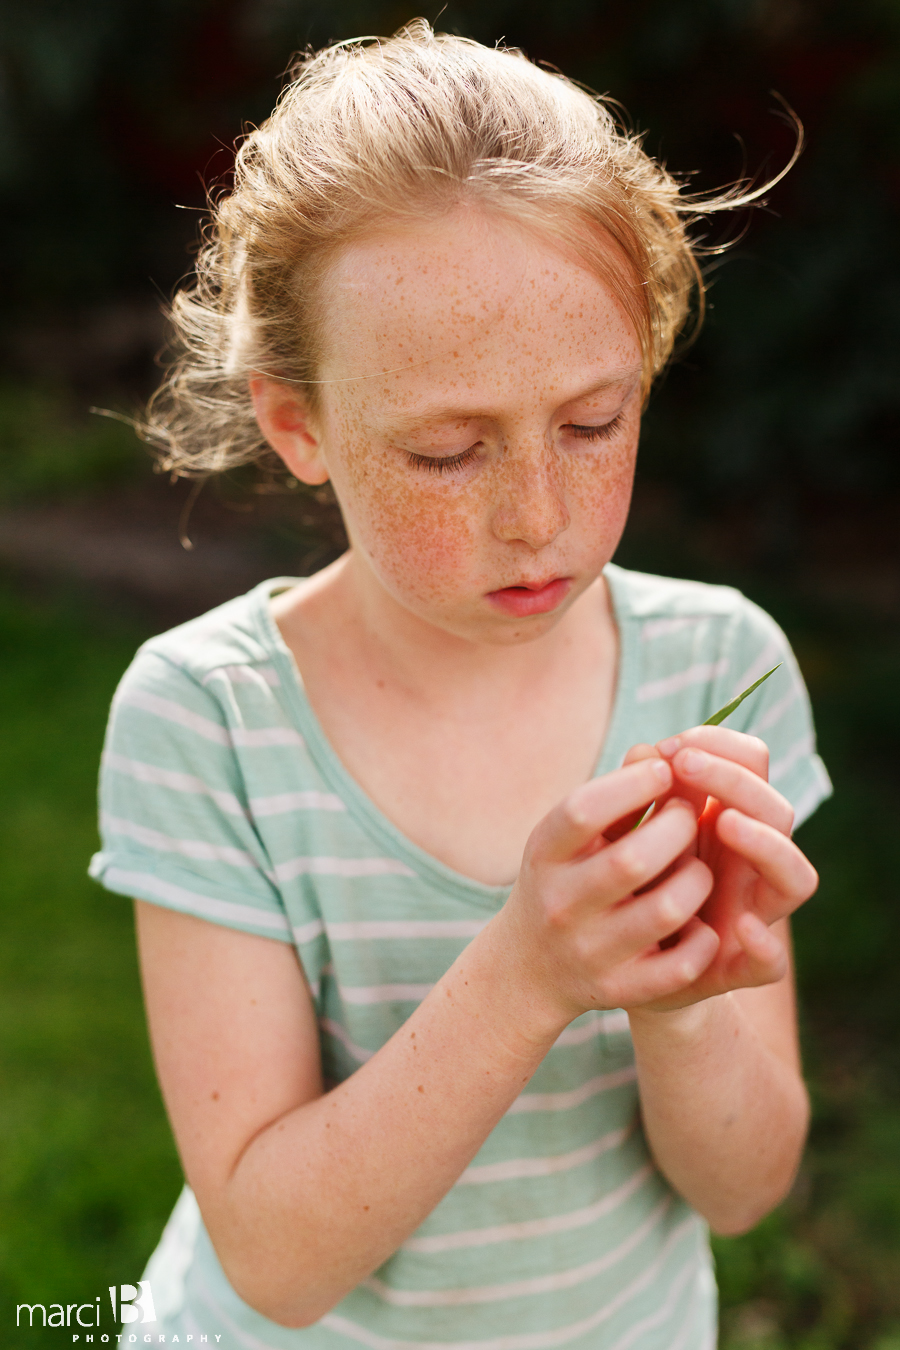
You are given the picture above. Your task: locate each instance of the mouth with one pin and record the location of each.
(531, 598)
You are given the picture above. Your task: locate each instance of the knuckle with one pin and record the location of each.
(557, 909)
(626, 865)
(670, 911)
(687, 971)
(571, 812)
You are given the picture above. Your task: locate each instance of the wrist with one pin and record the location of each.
(501, 975)
(676, 1024)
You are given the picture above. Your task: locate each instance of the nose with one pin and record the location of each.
(531, 504)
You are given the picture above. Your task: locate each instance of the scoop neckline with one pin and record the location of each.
(358, 802)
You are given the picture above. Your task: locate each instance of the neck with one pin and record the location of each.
(434, 666)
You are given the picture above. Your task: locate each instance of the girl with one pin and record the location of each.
(453, 1056)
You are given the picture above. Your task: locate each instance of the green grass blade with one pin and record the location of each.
(720, 716)
(729, 708)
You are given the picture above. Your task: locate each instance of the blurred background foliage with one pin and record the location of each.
(768, 461)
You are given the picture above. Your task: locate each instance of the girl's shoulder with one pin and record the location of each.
(686, 649)
(237, 635)
(643, 596)
(673, 620)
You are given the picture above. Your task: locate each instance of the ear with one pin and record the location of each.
(284, 419)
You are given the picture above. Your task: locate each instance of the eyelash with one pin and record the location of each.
(450, 462)
(602, 433)
(446, 465)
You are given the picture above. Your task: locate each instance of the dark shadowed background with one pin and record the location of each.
(769, 461)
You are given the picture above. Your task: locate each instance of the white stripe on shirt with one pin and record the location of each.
(544, 1340)
(259, 738)
(538, 1284)
(514, 1168)
(759, 665)
(384, 993)
(673, 684)
(339, 1033)
(283, 802)
(657, 628)
(166, 843)
(603, 1024)
(805, 746)
(341, 867)
(532, 1228)
(368, 929)
(171, 778)
(206, 905)
(564, 1101)
(776, 712)
(170, 711)
(245, 675)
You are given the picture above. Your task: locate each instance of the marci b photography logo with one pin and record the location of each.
(129, 1307)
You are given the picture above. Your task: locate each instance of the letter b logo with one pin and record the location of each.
(130, 1302)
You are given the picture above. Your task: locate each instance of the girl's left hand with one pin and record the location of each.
(744, 837)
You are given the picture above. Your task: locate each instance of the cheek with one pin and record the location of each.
(420, 537)
(600, 487)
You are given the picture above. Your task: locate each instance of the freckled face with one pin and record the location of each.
(480, 422)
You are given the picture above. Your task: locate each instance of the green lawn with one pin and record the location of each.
(89, 1171)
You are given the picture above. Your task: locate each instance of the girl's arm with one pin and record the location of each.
(723, 1102)
(305, 1194)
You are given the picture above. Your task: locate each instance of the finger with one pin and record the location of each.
(775, 857)
(638, 752)
(581, 817)
(661, 974)
(655, 915)
(734, 785)
(750, 751)
(620, 827)
(638, 857)
(762, 958)
(761, 945)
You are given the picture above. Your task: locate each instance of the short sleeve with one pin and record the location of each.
(174, 821)
(779, 712)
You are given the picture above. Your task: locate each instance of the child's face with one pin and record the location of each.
(482, 424)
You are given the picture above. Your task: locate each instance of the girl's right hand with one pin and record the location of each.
(591, 917)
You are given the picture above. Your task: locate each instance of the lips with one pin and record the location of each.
(537, 598)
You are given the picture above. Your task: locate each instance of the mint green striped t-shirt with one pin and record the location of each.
(221, 797)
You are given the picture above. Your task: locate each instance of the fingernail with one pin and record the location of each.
(662, 770)
(692, 761)
(669, 747)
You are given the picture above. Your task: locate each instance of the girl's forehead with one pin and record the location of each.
(467, 293)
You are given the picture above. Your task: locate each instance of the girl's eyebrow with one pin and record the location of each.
(460, 413)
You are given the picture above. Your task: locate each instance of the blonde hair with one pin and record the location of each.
(375, 132)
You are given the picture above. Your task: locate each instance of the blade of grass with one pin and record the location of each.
(729, 708)
(720, 716)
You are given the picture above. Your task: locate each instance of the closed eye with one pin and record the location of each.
(600, 433)
(445, 464)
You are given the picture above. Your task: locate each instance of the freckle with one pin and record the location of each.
(253, 1001)
(421, 1089)
(215, 1096)
(366, 1208)
(412, 1035)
